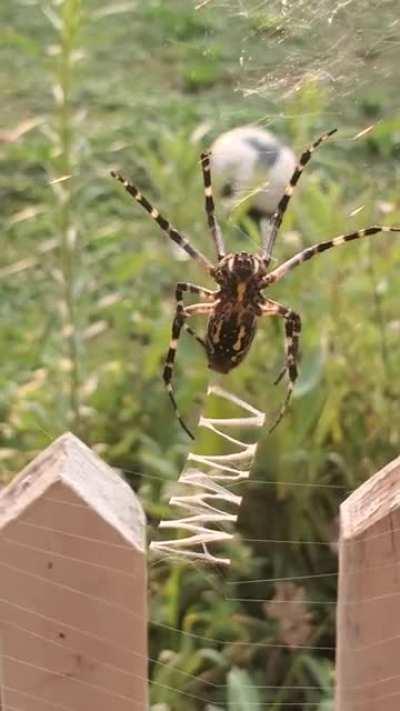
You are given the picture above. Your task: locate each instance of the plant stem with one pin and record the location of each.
(68, 27)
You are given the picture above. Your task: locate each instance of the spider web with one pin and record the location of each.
(321, 63)
(299, 67)
(349, 48)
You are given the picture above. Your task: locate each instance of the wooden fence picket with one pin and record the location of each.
(73, 615)
(368, 621)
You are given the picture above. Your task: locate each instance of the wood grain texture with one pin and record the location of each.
(73, 617)
(368, 622)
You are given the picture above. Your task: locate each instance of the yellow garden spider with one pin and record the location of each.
(234, 307)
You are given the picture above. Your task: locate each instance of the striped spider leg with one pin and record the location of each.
(181, 314)
(210, 206)
(233, 309)
(292, 333)
(165, 225)
(270, 230)
(292, 320)
(279, 272)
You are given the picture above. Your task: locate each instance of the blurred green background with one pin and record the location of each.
(87, 285)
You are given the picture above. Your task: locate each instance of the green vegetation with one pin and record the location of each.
(86, 284)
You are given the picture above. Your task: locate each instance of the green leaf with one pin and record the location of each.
(242, 695)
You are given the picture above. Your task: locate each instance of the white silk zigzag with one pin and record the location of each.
(230, 467)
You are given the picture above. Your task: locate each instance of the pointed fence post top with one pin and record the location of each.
(73, 592)
(373, 501)
(69, 461)
(368, 620)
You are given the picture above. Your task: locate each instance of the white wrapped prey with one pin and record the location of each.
(250, 165)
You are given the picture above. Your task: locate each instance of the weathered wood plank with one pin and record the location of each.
(73, 617)
(368, 623)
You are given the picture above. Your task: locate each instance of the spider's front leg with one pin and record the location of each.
(210, 207)
(181, 314)
(292, 333)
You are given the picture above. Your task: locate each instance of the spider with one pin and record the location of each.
(233, 309)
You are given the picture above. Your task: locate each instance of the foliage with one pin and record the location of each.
(86, 287)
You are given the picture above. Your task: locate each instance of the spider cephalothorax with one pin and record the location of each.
(240, 267)
(235, 307)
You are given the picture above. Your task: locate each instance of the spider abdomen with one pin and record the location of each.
(230, 334)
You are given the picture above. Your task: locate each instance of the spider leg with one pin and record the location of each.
(181, 314)
(193, 289)
(292, 333)
(199, 340)
(163, 223)
(210, 206)
(169, 367)
(278, 273)
(207, 294)
(280, 375)
(276, 219)
(183, 286)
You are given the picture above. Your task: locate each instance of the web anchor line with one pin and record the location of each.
(202, 477)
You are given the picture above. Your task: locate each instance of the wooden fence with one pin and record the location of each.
(73, 613)
(368, 619)
(73, 616)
